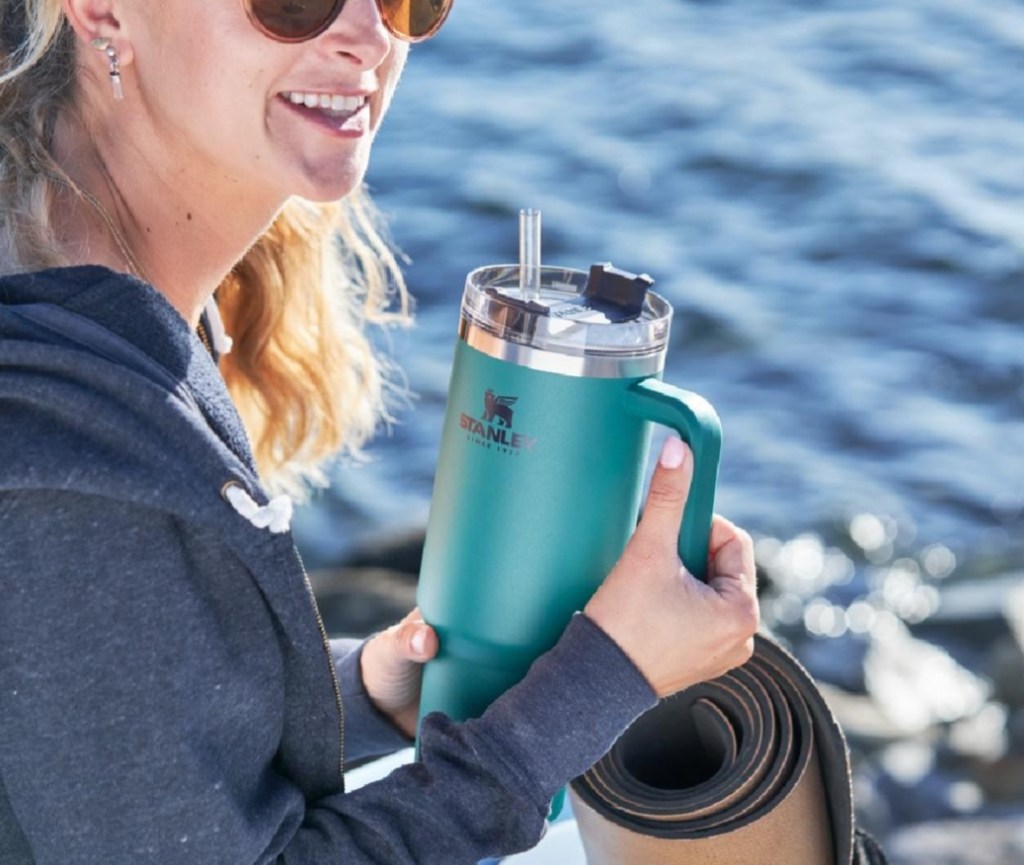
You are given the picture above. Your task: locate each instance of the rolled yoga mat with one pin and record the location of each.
(748, 769)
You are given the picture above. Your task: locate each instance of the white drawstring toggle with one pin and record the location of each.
(218, 335)
(275, 515)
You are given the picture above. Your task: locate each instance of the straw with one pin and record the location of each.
(529, 253)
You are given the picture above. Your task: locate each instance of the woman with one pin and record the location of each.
(164, 691)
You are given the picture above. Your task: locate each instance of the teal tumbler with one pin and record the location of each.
(543, 455)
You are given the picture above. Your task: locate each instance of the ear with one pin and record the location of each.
(99, 19)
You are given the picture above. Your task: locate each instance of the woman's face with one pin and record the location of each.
(231, 106)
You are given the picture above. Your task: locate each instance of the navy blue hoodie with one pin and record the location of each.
(167, 693)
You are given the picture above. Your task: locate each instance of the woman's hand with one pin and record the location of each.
(676, 629)
(392, 669)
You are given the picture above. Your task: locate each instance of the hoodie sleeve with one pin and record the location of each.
(368, 732)
(142, 699)
(483, 787)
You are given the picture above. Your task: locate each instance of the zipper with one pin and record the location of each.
(324, 641)
(334, 673)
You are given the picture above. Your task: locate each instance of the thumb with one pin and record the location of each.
(414, 639)
(666, 497)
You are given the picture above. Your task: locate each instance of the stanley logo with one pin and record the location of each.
(493, 429)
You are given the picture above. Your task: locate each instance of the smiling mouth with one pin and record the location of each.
(330, 105)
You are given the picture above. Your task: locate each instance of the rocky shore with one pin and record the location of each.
(921, 657)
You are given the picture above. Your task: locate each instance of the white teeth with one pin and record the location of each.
(325, 101)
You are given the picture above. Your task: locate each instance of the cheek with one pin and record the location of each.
(198, 97)
(202, 74)
(392, 72)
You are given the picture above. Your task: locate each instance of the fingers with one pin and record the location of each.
(414, 639)
(733, 574)
(732, 552)
(666, 498)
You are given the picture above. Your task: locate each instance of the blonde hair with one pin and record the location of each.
(303, 372)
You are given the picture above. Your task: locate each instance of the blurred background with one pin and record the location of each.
(831, 194)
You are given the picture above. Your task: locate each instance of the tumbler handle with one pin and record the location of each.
(697, 423)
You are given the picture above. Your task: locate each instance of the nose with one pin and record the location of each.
(359, 33)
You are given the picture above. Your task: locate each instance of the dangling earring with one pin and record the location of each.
(107, 47)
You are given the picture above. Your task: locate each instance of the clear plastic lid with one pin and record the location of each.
(604, 313)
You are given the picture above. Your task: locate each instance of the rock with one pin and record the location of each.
(859, 716)
(355, 602)
(918, 684)
(1013, 609)
(989, 841)
(1005, 667)
(1015, 730)
(915, 787)
(1001, 780)
(977, 602)
(400, 551)
(374, 585)
(838, 661)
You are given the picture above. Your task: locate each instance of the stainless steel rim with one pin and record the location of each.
(581, 365)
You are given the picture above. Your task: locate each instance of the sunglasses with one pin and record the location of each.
(299, 20)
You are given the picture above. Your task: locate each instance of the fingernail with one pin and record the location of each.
(673, 453)
(419, 642)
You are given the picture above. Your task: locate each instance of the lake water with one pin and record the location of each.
(831, 194)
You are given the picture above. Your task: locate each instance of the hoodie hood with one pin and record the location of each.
(105, 390)
(119, 376)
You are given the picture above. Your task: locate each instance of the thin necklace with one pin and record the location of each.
(123, 246)
(119, 239)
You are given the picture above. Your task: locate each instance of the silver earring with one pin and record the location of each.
(107, 47)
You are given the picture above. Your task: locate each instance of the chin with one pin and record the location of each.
(325, 196)
(327, 185)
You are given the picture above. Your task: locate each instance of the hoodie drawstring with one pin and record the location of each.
(218, 335)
